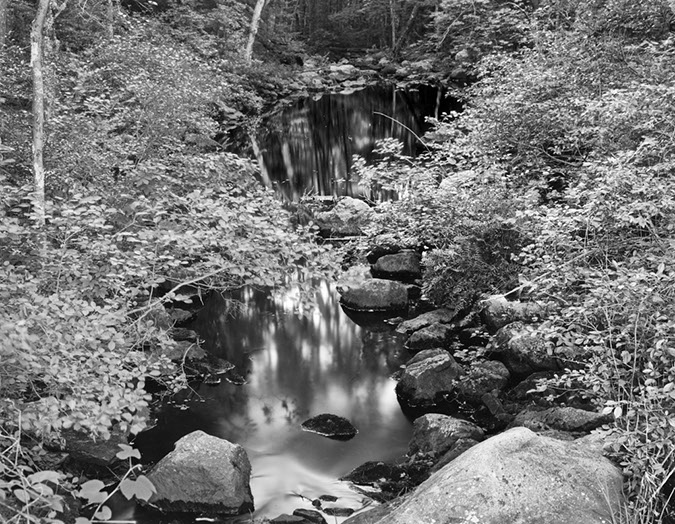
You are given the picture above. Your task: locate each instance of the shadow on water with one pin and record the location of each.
(309, 147)
(295, 367)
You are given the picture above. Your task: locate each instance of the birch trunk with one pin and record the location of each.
(4, 6)
(36, 61)
(255, 24)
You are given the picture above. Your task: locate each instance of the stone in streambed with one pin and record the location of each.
(516, 476)
(374, 294)
(437, 434)
(203, 474)
(427, 377)
(331, 426)
(399, 266)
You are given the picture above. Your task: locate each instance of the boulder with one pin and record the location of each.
(497, 311)
(427, 377)
(437, 434)
(437, 316)
(487, 376)
(203, 474)
(515, 477)
(435, 335)
(373, 294)
(347, 218)
(310, 515)
(399, 266)
(331, 426)
(561, 418)
(459, 447)
(523, 349)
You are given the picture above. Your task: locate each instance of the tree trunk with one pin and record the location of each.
(255, 24)
(110, 19)
(406, 30)
(4, 6)
(36, 61)
(392, 15)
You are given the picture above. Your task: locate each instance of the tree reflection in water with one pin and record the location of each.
(296, 367)
(308, 147)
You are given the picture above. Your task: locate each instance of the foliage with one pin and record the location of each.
(479, 26)
(140, 194)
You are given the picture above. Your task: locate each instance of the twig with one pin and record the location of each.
(404, 127)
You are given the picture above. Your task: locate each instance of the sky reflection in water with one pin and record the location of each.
(295, 368)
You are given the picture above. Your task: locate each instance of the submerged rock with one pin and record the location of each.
(203, 474)
(516, 476)
(373, 294)
(310, 515)
(331, 426)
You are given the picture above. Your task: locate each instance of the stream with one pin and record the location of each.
(299, 367)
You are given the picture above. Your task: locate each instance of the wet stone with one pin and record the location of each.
(309, 515)
(289, 519)
(338, 512)
(331, 426)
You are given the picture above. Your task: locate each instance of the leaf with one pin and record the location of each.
(141, 488)
(45, 476)
(22, 495)
(618, 412)
(103, 514)
(128, 452)
(82, 520)
(92, 492)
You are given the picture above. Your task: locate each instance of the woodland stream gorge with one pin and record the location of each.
(382, 358)
(493, 333)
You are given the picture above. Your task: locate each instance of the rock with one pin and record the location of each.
(437, 316)
(82, 448)
(374, 294)
(183, 350)
(459, 447)
(561, 418)
(347, 218)
(427, 376)
(436, 434)
(338, 512)
(497, 312)
(459, 73)
(331, 426)
(473, 336)
(372, 473)
(311, 516)
(433, 336)
(523, 349)
(285, 518)
(399, 266)
(525, 390)
(382, 248)
(181, 316)
(205, 475)
(189, 335)
(482, 377)
(516, 477)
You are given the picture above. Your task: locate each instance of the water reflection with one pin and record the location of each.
(308, 147)
(295, 368)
